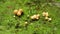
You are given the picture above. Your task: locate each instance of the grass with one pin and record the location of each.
(8, 22)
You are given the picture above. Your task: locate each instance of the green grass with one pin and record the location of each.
(8, 22)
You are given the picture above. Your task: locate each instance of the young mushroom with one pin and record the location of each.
(45, 14)
(15, 12)
(25, 25)
(46, 18)
(49, 19)
(26, 22)
(19, 13)
(14, 16)
(35, 16)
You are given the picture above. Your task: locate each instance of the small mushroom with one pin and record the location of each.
(46, 18)
(14, 16)
(26, 22)
(20, 11)
(38, 16)
(35, 16)
(15, 12)
(45, 14)
(49, 19)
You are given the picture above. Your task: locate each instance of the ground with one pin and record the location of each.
(15, 25)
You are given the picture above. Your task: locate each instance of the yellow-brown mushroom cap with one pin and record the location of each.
(49, 19)
(18, 13)
(45, 14)
(35, 16)
(46, 18)
(15, 11)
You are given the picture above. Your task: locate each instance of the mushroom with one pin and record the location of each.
(35, 16)
(14, 16)
(46, 18)
(15, 12)
(45, 14)
(49, 19)
(20, 11)
(26, 22)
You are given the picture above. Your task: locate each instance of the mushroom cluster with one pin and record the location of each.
(46, 15)
(18, 12)
(35, 16)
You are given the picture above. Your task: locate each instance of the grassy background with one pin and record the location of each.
(30, 7)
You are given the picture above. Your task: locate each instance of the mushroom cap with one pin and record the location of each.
(26, 22)
(49, 19)
(18, 13)
(46, 18)
(35, 16)
(14, 16)
(45, 14)
(15, 11)
(32, 17)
